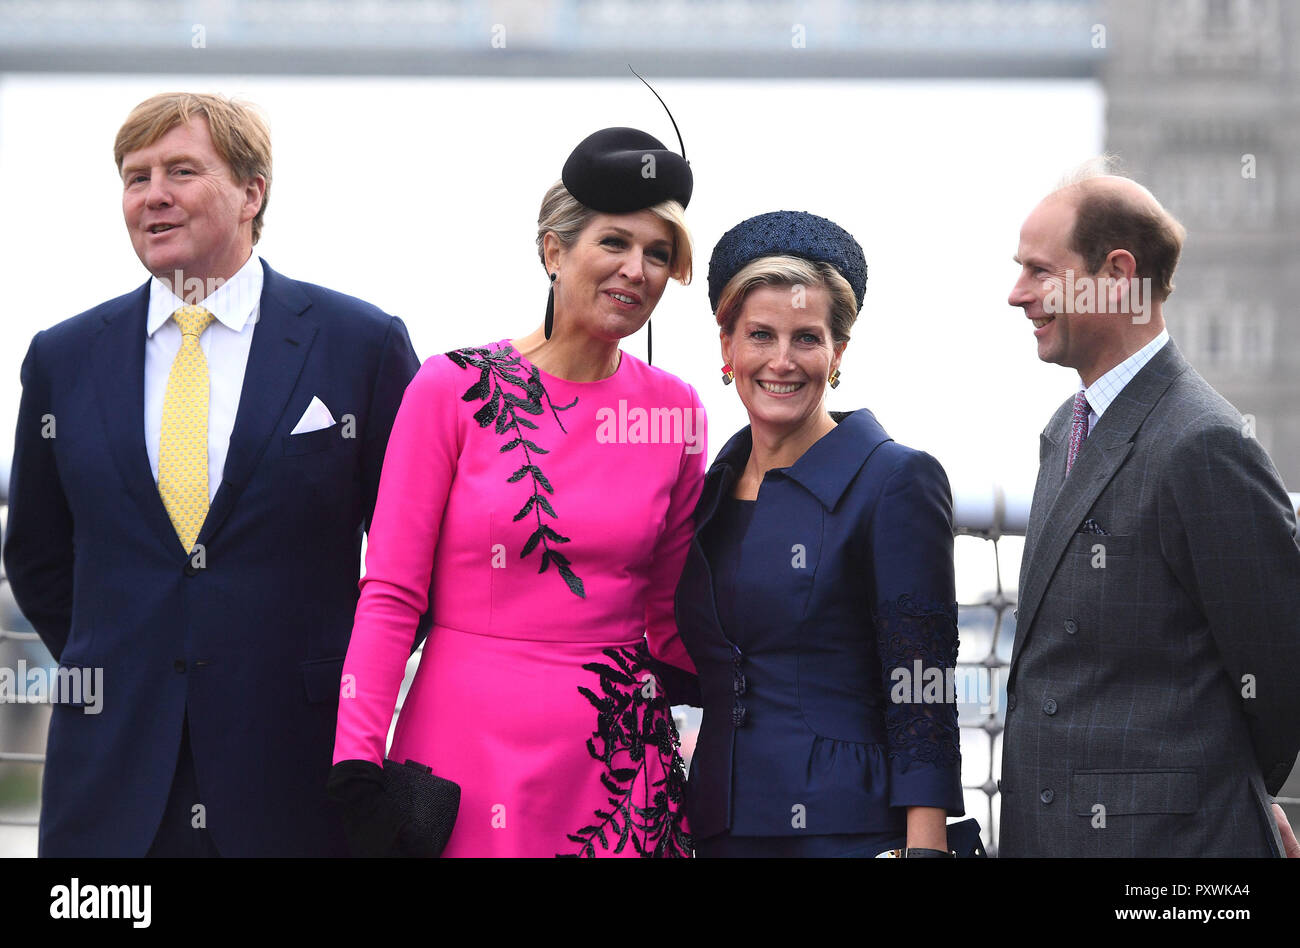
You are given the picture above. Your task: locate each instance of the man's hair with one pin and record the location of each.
(789, 271)
(1109, 218)
(239, 134)
(566, 217)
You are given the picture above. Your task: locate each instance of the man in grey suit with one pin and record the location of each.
(1152, 697)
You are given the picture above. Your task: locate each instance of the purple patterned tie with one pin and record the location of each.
(1078, 428)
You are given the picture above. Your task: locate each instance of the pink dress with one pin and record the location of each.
(549, 521)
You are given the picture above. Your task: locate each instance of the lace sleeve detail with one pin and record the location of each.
(917, 641)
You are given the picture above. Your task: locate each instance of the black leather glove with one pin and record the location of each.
(371, 824)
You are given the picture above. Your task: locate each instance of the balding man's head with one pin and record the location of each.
(1098, 248)
(1117, 213)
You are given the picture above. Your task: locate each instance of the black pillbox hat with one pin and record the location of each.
(620, 170)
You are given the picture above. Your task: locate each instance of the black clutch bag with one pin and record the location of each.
(426, 802)
(963, 842)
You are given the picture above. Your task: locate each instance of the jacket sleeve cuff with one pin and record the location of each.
(926, 785)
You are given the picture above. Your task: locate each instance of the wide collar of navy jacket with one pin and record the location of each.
(826, 469)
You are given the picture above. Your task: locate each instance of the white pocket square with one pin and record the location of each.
(316, 417)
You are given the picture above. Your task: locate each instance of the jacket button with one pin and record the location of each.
(1049, 706)
(190, 568)
(1071, 626)
(1047, 795)
(738, 716)
(179, 665)
(1015, 613)
(1011, 701)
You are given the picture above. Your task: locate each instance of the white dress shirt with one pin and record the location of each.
(225, 344)
(1102, 392)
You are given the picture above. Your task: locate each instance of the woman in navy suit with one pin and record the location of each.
(817, 601)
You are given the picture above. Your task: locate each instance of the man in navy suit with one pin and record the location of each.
(193, 467)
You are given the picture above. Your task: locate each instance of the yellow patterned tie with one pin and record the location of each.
(183, 446)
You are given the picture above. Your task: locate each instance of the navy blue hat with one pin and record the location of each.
(787, 234)
(619, 170)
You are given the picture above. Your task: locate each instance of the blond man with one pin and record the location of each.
(194, 465)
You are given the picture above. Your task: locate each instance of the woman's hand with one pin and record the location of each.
(372, 826)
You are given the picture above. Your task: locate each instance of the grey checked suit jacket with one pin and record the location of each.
(1153, 697)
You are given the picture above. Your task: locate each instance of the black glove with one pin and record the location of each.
(371, 823)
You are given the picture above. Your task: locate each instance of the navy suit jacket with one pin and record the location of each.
(249, 643)
(847, 576)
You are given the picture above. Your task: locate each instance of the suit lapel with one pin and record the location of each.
(281, 341)
(1052, 447)
(117, 364)
(1093, 470)
(1102, 455)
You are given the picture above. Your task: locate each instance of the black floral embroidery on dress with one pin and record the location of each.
(501, 371)
(639, 727)
(908, 631)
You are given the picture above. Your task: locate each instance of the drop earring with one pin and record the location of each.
(549, 325)
(835, 379)
(728, 374)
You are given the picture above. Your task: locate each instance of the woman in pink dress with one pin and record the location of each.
(537, 496)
